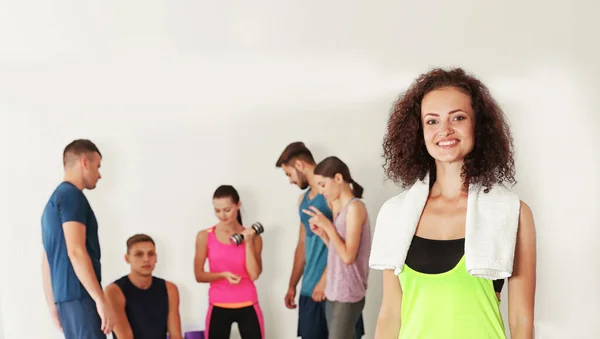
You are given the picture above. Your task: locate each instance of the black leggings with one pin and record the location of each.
(249, 320)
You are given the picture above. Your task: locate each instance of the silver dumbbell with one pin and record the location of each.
(238, 237)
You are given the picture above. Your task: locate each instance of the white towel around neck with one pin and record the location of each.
(490, 236)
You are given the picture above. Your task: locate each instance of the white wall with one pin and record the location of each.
(180, 101)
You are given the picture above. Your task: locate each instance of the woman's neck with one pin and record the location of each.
(345, 196)
(229, 228)
(448, 181)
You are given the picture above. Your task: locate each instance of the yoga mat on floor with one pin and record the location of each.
(192, 335)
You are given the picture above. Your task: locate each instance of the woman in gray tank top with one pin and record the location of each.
(348, 238)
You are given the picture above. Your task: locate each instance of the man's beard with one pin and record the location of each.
(303, 183)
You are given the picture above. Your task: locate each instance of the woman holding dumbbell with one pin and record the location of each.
(349, 243)
(232, 294)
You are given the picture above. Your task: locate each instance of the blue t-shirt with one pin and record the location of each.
(315, 248)
(68, 203)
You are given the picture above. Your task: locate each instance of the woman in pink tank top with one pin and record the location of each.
(232, 294)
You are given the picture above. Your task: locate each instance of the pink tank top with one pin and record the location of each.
(229, 258)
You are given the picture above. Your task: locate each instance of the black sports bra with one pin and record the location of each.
(438, 256)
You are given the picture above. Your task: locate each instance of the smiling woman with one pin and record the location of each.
(448, 124)
(426, 107)
(448, 140)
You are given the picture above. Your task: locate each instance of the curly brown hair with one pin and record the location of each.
(406, 158)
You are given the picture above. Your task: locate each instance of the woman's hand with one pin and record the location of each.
(232, 278)
(317, 230)
(318, 220)
(248, 234)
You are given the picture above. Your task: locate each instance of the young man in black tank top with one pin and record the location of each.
(146, 306)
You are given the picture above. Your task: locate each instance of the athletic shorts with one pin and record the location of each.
(249, 320)
(312, 321)
(79, 319)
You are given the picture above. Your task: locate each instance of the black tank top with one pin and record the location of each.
(438, 256)
(147, 310)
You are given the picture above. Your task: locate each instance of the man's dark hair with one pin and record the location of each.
(78, 147)
(137, 238)
(406, 157)
(295, 151)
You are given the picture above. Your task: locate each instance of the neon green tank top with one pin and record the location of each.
(449, 305)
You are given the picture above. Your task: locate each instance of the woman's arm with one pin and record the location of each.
(522, 283)
(356, 215)
(254, 255)
(389, 320)
(321, 232)
(200, 259)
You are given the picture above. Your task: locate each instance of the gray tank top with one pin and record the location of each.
(348, 283)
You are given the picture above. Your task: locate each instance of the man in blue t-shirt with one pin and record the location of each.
(71, 261)
(310, 258)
